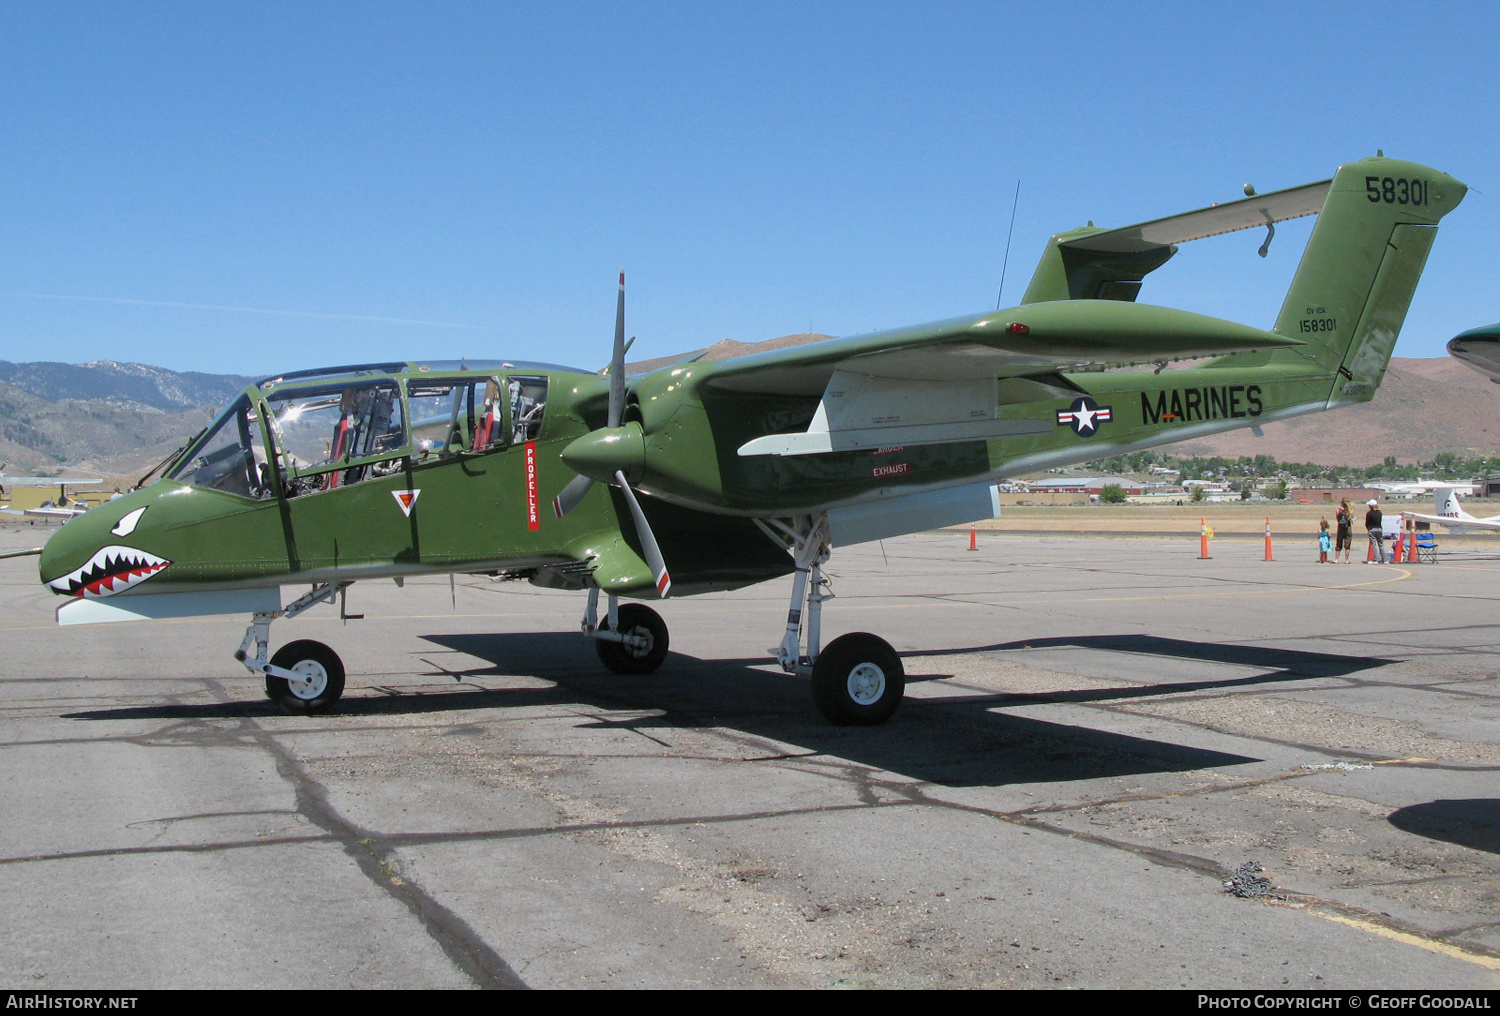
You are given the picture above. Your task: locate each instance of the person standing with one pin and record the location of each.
(1373, 523)
(1344, 520)
(1324, 543)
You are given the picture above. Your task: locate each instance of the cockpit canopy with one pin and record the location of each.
(317, 430)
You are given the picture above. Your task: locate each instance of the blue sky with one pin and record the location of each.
(262, 187)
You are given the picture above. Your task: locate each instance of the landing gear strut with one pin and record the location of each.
(858, 680)
(633, 638)
(304, 676)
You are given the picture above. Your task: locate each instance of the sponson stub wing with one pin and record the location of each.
(950, 381)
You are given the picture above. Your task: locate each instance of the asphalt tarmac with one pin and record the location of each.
(1097, 732)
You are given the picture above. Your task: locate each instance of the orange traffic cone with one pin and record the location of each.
(1268, 539)
(973, 537)
(1203, 539)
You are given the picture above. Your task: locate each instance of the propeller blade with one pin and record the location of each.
(648, 539)
(617, 361)
(571, 495)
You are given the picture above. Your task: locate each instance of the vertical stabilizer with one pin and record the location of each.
(1360, 270)
(1445, 503)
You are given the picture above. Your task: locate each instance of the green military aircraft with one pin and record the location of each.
(1479, 348)
(740, 470)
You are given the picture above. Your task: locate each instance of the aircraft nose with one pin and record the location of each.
(100, 552)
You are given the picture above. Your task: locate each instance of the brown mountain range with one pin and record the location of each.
(1425, 406)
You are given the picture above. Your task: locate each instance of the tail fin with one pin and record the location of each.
(1360, 269)
(1445, 503)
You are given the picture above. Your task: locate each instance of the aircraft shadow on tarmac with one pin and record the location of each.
(952, 740)
(1279, 665)
(1472, 822)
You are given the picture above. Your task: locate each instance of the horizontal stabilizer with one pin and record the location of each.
(1215, 220)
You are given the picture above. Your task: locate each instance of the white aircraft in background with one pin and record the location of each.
(1451, 514)
(65, 508)
(1419, 487)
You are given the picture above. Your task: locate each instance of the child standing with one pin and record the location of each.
(1325, 542)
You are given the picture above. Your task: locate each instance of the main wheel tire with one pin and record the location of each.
(858, 680)
(636, 619)
(321, 667)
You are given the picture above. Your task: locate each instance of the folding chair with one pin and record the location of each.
(1426, 548)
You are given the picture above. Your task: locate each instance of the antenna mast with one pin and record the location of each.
(1006, 263)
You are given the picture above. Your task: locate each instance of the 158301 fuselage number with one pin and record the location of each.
(1395, 191)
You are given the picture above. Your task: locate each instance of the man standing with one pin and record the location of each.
(1373, 522)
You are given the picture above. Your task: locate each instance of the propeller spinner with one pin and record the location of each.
(606, 454)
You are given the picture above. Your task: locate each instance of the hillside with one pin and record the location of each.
(104, 416)
(46, 436)
(1424, 407)
(110, 381)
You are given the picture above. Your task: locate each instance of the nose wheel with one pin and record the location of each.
(315, 681)
(644, 641)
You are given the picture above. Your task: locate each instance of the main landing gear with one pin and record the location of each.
(858, 680)
(304, 676)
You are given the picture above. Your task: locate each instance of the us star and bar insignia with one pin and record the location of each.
(1084, 416)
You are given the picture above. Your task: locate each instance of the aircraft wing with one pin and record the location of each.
(52, 513)
(47, 481)
(947, 381)
(1039, 338)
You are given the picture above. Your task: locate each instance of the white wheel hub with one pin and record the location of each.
(639, 642)
(313, 679)
(866, 684)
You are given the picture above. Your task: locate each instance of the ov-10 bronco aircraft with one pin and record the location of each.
(711, 475)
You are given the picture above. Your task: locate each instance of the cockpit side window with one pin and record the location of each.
(335, 435)
(231, 458)
(528, 399)
(456, 415)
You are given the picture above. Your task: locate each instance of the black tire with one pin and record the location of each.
(635, 619)
(858, 680)
(318, 662)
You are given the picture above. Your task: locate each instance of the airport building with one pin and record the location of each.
(1086, 485)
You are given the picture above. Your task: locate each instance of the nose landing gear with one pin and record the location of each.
(304, 676)
(633, 638)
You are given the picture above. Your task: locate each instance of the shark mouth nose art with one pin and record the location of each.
(111, 570)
